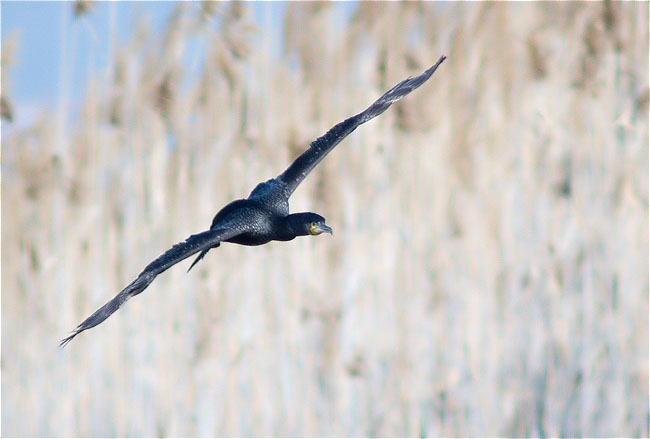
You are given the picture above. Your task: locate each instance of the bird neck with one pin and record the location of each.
(291, 226)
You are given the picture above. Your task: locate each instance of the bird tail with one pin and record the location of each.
(198, 258)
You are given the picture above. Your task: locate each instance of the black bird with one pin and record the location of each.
(264, 215)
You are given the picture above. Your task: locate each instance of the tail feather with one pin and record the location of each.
(198, 258)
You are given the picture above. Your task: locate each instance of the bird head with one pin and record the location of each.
(316, 224)
(307, 223)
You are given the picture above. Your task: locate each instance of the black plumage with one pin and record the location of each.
(264, 215)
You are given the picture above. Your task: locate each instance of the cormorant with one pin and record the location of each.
(264, 215)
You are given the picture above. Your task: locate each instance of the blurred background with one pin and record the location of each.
(488, 274)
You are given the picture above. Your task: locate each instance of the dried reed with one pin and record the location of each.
(488, 275)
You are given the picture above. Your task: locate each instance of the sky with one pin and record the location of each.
(57, 52)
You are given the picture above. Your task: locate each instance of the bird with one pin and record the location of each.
(263, 216)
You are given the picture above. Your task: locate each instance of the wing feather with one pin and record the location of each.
(320, 147)
(196, 243)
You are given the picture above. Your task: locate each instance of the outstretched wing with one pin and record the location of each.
(194, 244)
(319, 148)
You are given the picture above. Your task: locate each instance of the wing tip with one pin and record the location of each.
(440, 60)
(405, 87)
(68, 339)
(428, 72)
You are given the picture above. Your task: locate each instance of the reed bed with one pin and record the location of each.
(488, 274)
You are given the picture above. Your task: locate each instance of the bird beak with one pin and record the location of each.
(324, 228)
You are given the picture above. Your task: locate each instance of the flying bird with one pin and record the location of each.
(263, 216)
